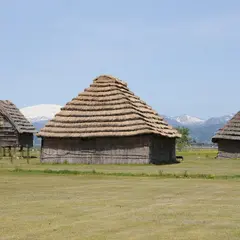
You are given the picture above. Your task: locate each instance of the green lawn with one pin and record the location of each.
(195, 162)
(38, 205)
(93, 207)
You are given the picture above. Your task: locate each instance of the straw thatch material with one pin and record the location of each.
(106, 112)
(15, 129)
(228, 139)
(107, 108)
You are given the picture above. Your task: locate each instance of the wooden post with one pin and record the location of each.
(28, 154)
(10, 154)
(4, 152)
(14, 152)
(21, 150)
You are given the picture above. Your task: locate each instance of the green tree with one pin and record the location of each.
(185, 140)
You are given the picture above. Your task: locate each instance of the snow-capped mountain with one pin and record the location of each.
(219, 120)
(42, 112)
(188, 120)
(201, 131)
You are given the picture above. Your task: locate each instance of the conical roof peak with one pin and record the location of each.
(108, 79)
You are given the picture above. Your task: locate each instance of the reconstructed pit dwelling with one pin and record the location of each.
(108, 124)
(228, 139)
(15, 129)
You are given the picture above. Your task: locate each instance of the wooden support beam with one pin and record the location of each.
(21, 151)
(28, 155)
(10, 154)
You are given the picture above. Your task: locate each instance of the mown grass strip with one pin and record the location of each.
(159, 174)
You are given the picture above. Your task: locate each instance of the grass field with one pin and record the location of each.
(38, 205)
(195, 162)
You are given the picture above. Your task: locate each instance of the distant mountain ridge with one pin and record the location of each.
(200, 130)
(219, 120)
(187, 120)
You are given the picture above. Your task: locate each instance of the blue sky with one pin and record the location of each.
(178, 56)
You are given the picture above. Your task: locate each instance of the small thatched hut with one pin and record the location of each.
(228, 139)
(15, 129)
(105, 124)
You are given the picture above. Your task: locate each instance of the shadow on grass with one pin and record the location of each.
(25, 157)
(165, 163)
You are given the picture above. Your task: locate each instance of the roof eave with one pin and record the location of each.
(42, 135)
(215, 140)
(31, 131)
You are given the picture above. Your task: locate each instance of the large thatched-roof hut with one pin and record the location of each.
(228, 139)
(107, 123)
(15, 129)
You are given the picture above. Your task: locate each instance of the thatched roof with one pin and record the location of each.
(231, 131)
(106, 108)
(14, 116)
